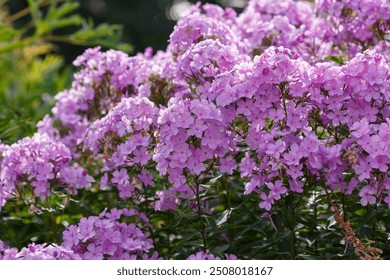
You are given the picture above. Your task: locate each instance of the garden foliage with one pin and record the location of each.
(264, 134)
(31, 68)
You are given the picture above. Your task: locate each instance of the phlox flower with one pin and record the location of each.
(266, 202)
(276, 189)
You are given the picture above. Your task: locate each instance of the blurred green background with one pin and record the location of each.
(145, 22)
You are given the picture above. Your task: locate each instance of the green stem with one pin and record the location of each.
(227, 192)
(292, 254)
(373, 228)
(229, 207)
(315, 210)
(200, 213)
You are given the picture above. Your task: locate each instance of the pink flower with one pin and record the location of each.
(367, 195)
(276, 190)
(227, 165)
(126, 190)
(267, 201)
(275, 149)
(197, 128)
(146, 178)
(104, 181)
(360, 128)
(120, 177)
(141, 156)
(94, 252)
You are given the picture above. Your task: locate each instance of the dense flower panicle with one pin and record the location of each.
(196, 27)
(356, 25)
(190, 133)
(330, 97)
(123, 138)
(275, 23)
(107, 236)
(130, 117)
(213, 92)
(39, 252)
(208, 256)
(330, 28)
(39, 163)
(206, 60)
(103, 80)
(111, 235)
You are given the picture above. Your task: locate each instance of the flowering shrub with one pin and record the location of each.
(248, 127)
(41, 164)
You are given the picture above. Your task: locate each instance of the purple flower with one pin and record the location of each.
(361, 128)
(197, 128)
(42, 162)
(276, 190)
(146, 178)
(94, 252)
(40, 252)
(70, 237)
(227, 165)
(141, 156)
(86, 229)
(120, 177)
(367, 195)
(104, 181)
(108, 237)
(114, 214)
(275, 149)
(266, 202)
(126, 190)
(363, 169)
(207, 256)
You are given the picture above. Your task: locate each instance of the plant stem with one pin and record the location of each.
(292, 235)
(227, 192)
(200, 213)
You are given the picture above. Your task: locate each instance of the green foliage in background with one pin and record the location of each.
(30, 70)
(302, 226)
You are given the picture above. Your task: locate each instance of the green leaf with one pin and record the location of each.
(35, 12)
(211, 222)
(57, 11)
(46, 27)
(336, 59)
(220, 249)
(223, 217)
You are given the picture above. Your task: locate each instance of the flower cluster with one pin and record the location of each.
(207, 256)
(38, 252)
(289, 23)
(111, 235)
(356, 25)
(341, 28)
(107, 236)
(104, 79)
(123, 138)
(301, 122)
(39, 164)
(191, 134)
